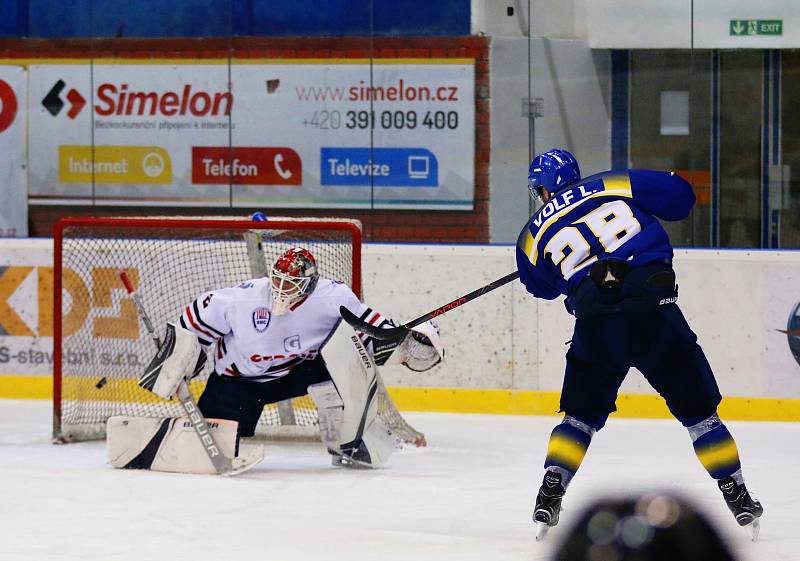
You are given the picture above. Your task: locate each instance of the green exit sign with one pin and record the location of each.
(756, 27)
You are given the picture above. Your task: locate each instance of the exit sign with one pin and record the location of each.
(756, 27)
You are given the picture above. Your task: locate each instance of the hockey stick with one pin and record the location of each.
(222, 464)
(397, 333)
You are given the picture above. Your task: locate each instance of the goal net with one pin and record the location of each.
(101, 348)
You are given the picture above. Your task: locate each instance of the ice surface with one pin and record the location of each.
(468, 496)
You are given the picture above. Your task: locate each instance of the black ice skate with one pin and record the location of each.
(745, 508)
(548, 504)
(353, 458)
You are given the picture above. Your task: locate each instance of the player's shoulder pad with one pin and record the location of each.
(253, 284)
(606, 182)
(330, 287)
(335, 294)
(249, 289)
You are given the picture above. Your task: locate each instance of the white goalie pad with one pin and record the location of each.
(362, 436)
(165, 444)
(330, 412)
(421, 350)
(176, 360)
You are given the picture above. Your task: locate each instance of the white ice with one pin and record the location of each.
(468, 496)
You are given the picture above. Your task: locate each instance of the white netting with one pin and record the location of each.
(104, 348)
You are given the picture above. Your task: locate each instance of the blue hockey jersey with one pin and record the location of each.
(610, 214)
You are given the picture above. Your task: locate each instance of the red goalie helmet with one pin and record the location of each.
(294, 276)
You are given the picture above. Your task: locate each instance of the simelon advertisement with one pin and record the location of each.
(335, 134)
(13, 176)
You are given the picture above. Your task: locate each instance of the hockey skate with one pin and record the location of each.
(745, 508)
(352, 458)
(548, 504)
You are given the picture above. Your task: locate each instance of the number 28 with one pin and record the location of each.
(612, 223)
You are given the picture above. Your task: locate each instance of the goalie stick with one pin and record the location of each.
(397, 333)
(222, 464)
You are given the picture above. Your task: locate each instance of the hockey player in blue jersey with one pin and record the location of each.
(598, 241)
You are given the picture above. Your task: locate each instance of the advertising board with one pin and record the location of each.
(335, 133)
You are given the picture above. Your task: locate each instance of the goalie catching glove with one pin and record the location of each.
(420, 350)
(179, 358)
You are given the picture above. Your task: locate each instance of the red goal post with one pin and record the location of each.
(99, 347)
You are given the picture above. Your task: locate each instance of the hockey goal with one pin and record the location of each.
(100, 348)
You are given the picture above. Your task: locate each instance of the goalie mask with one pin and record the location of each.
(294, 276)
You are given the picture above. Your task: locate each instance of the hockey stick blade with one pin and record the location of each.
(388, 334)
(395, 333)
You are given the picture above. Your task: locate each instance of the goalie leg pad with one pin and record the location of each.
(177, 359)
(165, 444)
(376, 445)
(355, 375)
(330, 409)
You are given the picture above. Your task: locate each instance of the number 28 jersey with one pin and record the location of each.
(611, 214)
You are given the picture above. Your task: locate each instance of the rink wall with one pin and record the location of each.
(505, 350)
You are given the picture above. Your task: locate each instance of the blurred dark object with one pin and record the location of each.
(647, 528)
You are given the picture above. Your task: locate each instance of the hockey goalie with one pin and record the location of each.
(273, 339)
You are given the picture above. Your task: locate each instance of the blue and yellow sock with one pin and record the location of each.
(567, 447)
(715, 448)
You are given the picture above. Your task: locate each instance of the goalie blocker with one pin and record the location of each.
(179, 358)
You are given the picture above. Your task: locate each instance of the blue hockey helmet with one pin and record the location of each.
(552, 170)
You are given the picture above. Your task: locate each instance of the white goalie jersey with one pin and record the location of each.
(249, 341)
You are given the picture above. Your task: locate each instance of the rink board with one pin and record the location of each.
(505, 350)
(498, 402)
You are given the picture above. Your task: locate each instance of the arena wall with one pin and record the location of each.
(413, 225)
(505, 350)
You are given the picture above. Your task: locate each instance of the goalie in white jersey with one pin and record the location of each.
(267, 336)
